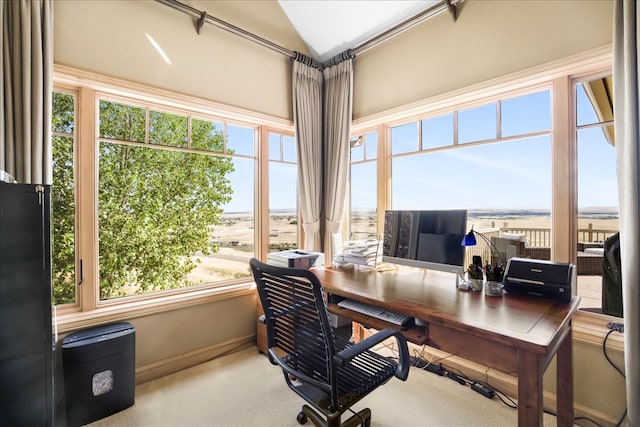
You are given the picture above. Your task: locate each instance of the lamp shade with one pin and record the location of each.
(469, 239)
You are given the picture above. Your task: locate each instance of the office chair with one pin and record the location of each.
(327, 371)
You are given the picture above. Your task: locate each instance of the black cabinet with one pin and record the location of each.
(26, 344)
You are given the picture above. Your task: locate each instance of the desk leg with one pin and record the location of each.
(564, 378)
(358, 333)
(530, 370)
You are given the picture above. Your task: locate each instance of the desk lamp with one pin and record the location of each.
(470, 240)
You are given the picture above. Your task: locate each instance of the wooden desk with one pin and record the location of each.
(514, 334)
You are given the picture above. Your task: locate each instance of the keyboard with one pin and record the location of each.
(375, 311)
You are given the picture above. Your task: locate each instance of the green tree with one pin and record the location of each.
(62, 201)
(156, 206)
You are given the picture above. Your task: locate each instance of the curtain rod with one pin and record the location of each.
(203, 17)
(449, 5)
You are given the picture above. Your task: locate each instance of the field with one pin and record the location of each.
(235, 241)
(488, 221)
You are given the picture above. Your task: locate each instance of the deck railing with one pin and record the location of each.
(591, 235)
(536, 237)
(538, 246)
(541, 237)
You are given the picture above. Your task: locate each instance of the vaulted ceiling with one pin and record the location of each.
(329, 27)
(326, 28)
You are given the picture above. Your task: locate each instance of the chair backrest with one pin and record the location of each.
(296, 318)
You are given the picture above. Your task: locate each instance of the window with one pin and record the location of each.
(437, 131)
(174, 190)
(526, 114)
(405, 138)
(504, 183)
(283, 201)
(477, 124)
(63, 205)
(363, 185)
(503, 160)
(514, 175)
(597, 194)
(168, 216)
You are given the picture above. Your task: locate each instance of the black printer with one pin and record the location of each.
(549, 279)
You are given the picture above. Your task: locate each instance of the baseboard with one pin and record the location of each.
(504, 383)
(185, 360)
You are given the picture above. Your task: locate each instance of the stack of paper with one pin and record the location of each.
(360, 251)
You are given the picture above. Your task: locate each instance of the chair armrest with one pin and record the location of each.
(297, 374)
(402, 371)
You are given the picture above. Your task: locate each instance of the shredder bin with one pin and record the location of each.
(99, 372)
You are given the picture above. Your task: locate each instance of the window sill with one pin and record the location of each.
(69, 322)
(591, 328)
(587, 327)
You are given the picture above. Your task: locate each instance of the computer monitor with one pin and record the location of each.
(429, 239)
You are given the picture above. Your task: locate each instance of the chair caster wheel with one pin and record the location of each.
(301, 418)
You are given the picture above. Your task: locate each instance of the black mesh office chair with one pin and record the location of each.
(327, 371)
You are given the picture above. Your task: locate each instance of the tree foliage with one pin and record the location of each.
(62, 202)
(156, 206)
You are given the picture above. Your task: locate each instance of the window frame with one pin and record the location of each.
(366, 158)
(575, 129)
(77, 260)
(557, 77)
(495, 100)
(85, 84)
(266, 180)
(88, 89)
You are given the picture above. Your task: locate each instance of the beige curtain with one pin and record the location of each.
(338, 107)
(626, 83)
(307, 119)
(26, 66)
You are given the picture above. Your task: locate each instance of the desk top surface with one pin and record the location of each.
(433, 297)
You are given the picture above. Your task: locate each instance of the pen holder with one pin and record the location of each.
(494, 289)
(476, 284)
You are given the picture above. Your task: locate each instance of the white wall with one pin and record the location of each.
(490, 39)
(163, 335)
(111, 38)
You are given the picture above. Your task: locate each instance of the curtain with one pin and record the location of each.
(307, 119)
(627, 131)
(26, 66)
(338, 107)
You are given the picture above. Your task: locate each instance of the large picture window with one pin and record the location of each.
(514, 175)
(505, 163)
(494, 160)
(283, 200)
(174, 192)
(163, 213)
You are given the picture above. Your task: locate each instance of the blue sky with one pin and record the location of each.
(282, 173)
(512, 175)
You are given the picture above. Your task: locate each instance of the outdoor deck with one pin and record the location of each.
(590, 292)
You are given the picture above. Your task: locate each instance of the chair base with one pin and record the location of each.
(362, 417)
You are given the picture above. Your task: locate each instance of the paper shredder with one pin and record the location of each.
(99, 372)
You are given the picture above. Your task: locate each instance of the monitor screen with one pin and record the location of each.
(425, 238)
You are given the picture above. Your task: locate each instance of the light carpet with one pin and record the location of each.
(244, 389)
